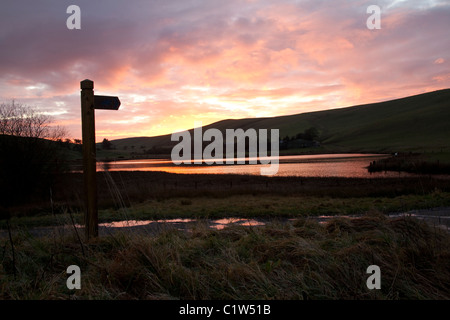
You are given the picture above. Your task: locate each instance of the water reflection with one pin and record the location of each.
(122, 224)
(321, 165)
(439, 220)
(136, 223)
(222, 223)
(436, 218)
(218, 224)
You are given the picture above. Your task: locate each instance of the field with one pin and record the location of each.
(302, 260)
(156, 195)
(299, 259)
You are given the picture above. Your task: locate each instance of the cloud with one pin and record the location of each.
(174, 62)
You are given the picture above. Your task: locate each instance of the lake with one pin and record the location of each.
(319, 165)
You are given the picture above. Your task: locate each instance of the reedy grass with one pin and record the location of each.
(300, 260)
(243, 206)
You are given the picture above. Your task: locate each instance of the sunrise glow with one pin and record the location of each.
(173, 63)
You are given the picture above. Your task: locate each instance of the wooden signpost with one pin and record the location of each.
(90, 102)
(106, 103)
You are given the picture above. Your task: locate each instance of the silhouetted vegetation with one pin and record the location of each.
(409, 162)
(309, 134)
(106, 144)
(306, 139)
(30, 157)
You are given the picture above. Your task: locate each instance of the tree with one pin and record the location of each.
(30, 156)
(311, 134)
(77, 146)
(106, 144)
(23, 121)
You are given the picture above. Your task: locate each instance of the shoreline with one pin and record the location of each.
(390, 163)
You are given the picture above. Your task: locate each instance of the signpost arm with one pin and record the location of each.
(89, 158)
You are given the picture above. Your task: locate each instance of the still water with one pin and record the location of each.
(439, 218)
(321, 165)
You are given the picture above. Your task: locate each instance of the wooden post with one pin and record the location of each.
(89, 158)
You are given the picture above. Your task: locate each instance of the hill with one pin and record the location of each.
(419, 123)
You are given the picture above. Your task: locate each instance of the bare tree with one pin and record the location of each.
(29, 157)
(22, 121)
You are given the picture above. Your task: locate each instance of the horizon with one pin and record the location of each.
(282, 115)
(172, 64)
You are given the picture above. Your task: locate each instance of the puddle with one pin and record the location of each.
(439, 218)
(180, 224)
(441, 221)
(438, 221)
(137, 223)
(324, 219)
(218, 224)
(222, 223)
(121, 224)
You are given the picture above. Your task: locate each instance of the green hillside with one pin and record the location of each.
(419, 123)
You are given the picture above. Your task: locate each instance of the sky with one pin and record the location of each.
(172, 63)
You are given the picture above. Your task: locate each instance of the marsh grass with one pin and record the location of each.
(240, 206)
(281, 260)
(301, 260)
(154, 195)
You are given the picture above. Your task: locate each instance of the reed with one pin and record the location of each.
(123, 191)
(301, 260)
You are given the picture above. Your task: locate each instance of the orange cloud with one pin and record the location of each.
(181, 61)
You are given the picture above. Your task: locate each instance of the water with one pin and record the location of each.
(438, 218)
(218, 224)
(321, 165)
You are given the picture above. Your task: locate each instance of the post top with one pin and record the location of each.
(87, 84)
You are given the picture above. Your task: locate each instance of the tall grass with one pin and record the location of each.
(301, 260)
(122, 191)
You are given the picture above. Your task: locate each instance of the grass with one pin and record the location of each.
(281, 260)
(246, 207)
(301, 260)
(159, 195)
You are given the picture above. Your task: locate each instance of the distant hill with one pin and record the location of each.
(419, 123)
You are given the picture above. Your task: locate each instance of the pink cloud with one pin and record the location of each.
(177, 62)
